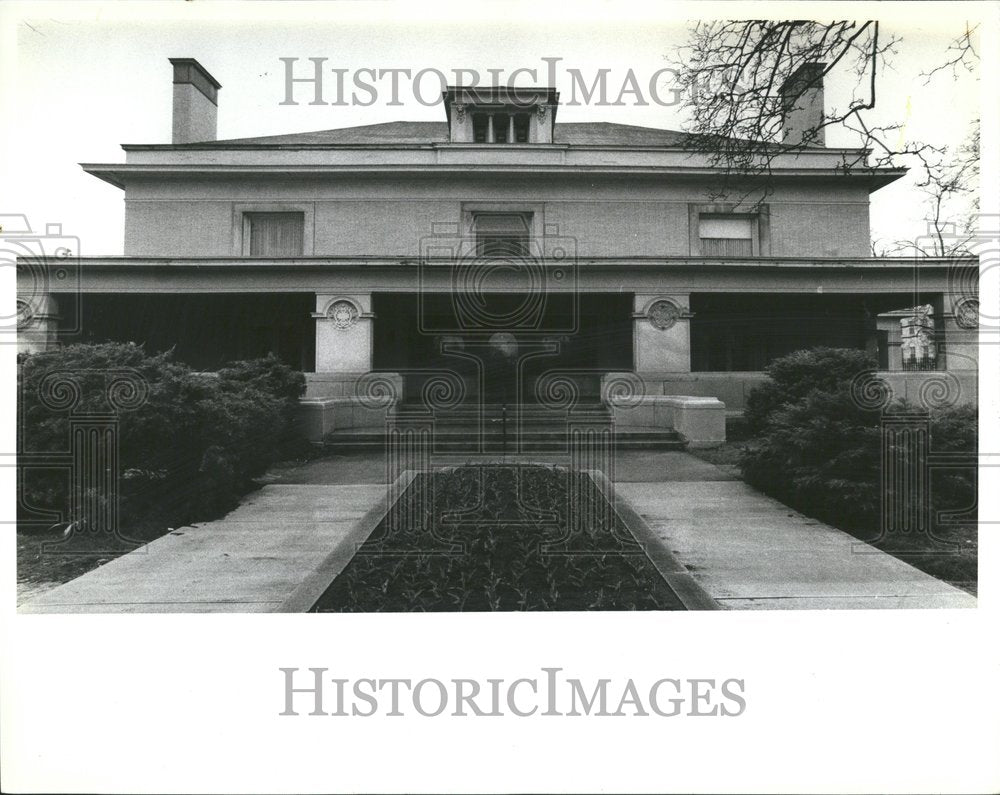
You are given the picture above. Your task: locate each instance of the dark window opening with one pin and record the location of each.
(501, 126)
(521, 122)
(480, 125)
(507, 128)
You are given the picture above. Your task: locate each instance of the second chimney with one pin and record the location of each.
(802, 106)
(196, 102)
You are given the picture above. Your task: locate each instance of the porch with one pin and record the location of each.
(377, 333)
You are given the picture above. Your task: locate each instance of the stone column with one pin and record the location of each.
(662, 333)
(343, 333)
(37, 323)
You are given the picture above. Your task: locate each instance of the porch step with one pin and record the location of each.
(455, 438)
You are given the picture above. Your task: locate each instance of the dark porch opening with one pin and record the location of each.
(587, 334)
(204, 330)
(738, 331)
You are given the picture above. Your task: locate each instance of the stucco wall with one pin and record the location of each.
(354, 215)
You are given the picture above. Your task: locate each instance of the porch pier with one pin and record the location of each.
(337, 393)
(662, 343)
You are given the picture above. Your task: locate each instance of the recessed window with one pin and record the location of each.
(500, 128)
(480, 125)
(502, 234)
(726, 235)
(521, 123)
(274, 234)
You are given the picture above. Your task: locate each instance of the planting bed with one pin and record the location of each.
(499, 537)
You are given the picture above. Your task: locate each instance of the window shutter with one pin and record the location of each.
(728, 228)
(726, 236)
(276, 234)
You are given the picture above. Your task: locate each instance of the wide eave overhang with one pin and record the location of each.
(234, 274)
(146, 162)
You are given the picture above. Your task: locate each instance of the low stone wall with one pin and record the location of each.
(694, 404)
(731, 388)
(700, 421)
(938, 387)
(932, 389)
(334, 401)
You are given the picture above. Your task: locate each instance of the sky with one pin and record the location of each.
(89, 77)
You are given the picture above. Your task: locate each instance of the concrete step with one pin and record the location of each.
(468, 438)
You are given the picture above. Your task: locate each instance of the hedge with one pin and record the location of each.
(187, 452)
(793, 377)
(819, 451)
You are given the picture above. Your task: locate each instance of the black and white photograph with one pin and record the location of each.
(612, 361)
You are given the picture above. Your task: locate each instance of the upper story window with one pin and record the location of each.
(502, 234)
(274, 234)
(726, 235)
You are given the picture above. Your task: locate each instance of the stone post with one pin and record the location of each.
(37, 324)
(343, 333)
(960, 347)
(662, 334)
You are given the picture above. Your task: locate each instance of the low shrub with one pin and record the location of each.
(817, 450)
(190, 448)
(955, 430)
(793, 377)
(820, 455)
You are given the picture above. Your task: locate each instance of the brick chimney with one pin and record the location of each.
(802, 106)
(196, 102)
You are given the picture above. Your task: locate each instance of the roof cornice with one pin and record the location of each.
(117, 174)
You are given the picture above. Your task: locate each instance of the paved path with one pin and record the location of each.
(751, 552)
(250, 561)
(746, 550)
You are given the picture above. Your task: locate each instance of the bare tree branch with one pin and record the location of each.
(734, 73)
(963, 55)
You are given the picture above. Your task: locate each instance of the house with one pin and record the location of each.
(517, 255)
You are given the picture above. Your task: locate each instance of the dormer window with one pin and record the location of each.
(501, 114)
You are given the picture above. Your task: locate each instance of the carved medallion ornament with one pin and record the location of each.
(344, 314)
(967, 313)
(663, 314)
(25, 314)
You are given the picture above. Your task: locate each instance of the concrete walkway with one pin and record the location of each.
(750, 552)
(746, 550)
(250, 561)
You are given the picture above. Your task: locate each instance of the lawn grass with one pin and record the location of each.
(499, 537)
